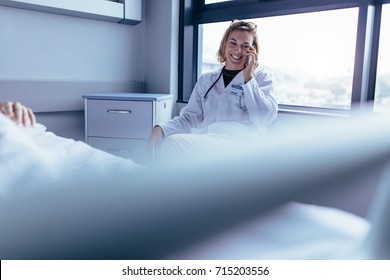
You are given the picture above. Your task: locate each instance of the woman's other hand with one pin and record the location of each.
(155, 140)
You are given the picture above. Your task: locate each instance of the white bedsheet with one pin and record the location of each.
(294, 231)
(62, 199)
(31, 157)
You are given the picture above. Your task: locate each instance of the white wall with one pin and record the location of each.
(162, 44)
(47, 60)
(43, 46)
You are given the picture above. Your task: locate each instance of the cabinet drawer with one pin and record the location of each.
(127, 148)
(118, 118)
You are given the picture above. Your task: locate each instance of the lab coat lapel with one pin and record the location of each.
(220, 86)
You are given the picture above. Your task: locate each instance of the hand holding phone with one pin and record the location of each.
(251, 64)
(251, 56)
(248, 60)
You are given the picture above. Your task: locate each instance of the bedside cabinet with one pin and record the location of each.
(121, 123)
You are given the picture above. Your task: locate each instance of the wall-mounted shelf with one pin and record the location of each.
(123, 11)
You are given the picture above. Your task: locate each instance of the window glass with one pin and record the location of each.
(311, 55)
(382, 87)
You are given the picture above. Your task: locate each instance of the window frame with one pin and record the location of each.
(377, 28)
(193, 13)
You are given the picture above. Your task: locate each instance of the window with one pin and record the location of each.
(382, 86)
(310, 54)
(326, 55)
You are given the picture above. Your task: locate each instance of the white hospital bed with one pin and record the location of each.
(61, 199)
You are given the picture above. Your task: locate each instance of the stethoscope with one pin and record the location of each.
(207, 92)
(242, 107)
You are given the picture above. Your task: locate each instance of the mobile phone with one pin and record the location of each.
(247, 60)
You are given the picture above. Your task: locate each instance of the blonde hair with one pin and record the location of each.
(240, 26)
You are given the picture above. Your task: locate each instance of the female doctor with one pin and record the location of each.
(225, 104)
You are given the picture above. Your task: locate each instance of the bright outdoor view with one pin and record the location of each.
(382, 87)
(310, 55)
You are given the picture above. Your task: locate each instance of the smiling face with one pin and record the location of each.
(236, 49)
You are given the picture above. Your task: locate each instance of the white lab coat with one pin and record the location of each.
(257, 107)
(227, 120)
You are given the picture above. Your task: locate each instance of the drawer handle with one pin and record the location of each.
(115, 111)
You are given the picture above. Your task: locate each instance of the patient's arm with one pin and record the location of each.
(18, 113)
